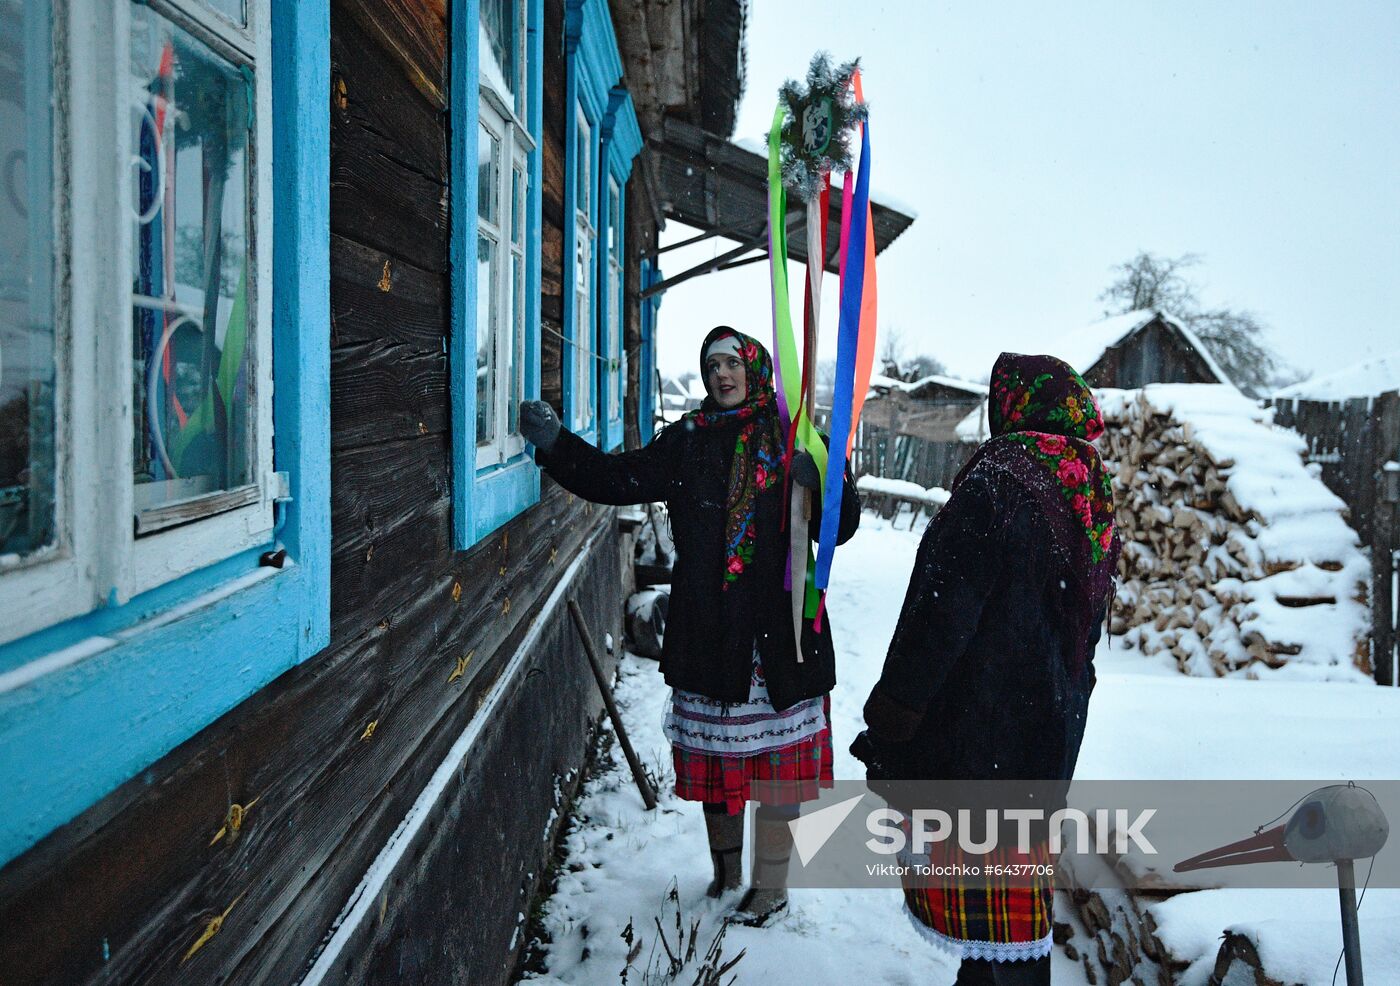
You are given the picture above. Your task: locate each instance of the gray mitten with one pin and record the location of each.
(539, 424)
(804, 471)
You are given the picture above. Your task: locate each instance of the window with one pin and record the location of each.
(137, 447)
(615, 367)
(29, 481)
(585, 237)
(161, 463)
(496, 281)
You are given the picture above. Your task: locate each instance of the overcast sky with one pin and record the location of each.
(1041, 144)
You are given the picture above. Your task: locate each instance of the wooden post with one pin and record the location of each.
(1385, 539)
(643, 785)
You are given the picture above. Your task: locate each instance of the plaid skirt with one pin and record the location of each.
(790, 774)
(990, 917)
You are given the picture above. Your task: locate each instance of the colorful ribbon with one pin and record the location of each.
(855, 343)
(854, 361)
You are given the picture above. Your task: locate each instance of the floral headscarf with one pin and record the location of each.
(758, 449)
(1043, 405)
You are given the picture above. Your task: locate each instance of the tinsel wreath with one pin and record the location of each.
(819, 133)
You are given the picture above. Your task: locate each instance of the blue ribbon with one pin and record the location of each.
(847, 339)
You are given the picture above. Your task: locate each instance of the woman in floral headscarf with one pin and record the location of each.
(744, 709)
(990, 668)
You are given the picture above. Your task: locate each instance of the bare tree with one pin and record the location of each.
(891, 352)
(1234, 338)
(1149, 281)
(922, 366)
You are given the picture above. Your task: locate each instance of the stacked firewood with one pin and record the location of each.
(1235, 557)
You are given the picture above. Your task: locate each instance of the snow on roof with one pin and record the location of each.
(973, 428)
(1082, 348)
(1365, 379)
(909, 386)
(955, 383)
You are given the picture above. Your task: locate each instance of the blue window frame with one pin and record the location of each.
(646, 400)
(91, 701)
(496, 79)
(603, 139)
(621, 140)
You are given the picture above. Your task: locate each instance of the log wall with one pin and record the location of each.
(229, 860)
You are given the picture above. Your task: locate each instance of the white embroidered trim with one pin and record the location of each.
(740, 729)
(990, 951)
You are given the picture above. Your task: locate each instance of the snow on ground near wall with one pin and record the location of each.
(1146, 720)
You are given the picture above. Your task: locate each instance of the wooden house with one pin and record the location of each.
(288, 689)
(929, 408)
(1133, 350)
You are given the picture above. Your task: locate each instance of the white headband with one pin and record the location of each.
(723, 346)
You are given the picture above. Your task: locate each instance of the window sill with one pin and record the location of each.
(500, 493)
(110, 702)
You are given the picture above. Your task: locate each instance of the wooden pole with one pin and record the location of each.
(643, 785)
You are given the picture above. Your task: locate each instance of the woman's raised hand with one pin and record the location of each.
(539, 424)
(804, 471)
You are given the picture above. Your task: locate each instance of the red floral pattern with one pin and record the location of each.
(1053, 414)
(758, 449)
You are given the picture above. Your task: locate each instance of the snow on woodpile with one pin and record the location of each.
(1236, 559)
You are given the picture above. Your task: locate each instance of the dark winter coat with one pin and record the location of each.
(989, 672)
(710, 632)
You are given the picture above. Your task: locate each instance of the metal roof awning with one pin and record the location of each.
(721, 189)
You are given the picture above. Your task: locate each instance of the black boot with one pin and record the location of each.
(726, 835)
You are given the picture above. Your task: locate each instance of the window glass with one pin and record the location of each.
(584, 162)
(232, 9)
(583, 335)
(515, 368)
(488, 167)
(191, 314)
(487, 286)
(27, 355)
(500, 40)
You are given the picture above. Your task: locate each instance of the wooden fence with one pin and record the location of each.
(1352, 441)
(907, 457)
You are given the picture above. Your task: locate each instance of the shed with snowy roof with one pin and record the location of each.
(1138, 348)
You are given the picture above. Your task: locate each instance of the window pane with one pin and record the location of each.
(488, 169)
(516, 367)
(614, 323)
(614, 219)
(192, 332)
(27, 356)
(517, 213)
(583, 162)
(499, 46)
(232, 9)
(486, 289)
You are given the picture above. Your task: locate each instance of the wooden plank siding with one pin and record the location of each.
(329, 758)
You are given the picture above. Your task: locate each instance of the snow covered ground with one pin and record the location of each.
(1146, 721)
